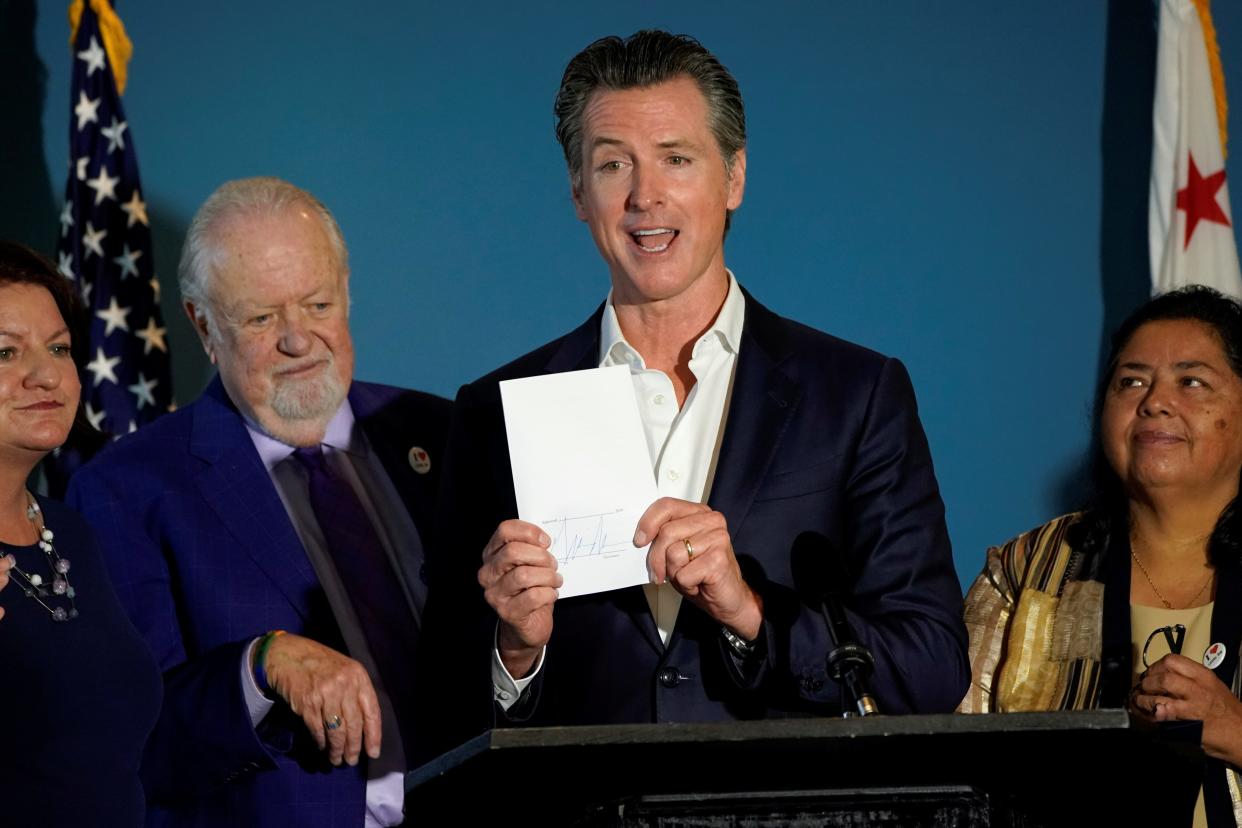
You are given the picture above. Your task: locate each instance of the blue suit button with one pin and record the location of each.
(669, 677)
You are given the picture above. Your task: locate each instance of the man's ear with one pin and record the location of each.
(575, 192)
(198, 318)
(737, 180)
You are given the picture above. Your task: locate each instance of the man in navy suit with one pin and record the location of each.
(759, 429)
(266, 540)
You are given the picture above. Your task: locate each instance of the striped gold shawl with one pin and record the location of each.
(1036, 631)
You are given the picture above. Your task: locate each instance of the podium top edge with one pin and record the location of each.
(810, 729)
(807, 731)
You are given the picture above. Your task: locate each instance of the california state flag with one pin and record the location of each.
(1190, 223)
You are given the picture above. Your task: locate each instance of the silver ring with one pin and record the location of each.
(689, 548)
(333, 723)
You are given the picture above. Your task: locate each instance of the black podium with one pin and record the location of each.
(1014, 770)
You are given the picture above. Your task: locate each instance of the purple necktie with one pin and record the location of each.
(364, 568)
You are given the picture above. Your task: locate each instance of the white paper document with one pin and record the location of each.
(582, 472)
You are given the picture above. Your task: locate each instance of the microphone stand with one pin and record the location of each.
(849, 663)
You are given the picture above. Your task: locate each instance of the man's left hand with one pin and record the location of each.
(692, 550)
(1176, 688)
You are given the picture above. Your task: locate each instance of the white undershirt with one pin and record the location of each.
(684, 442)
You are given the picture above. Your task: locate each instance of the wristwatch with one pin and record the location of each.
(739, 645)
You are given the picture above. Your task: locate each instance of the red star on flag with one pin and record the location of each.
(1198, 199)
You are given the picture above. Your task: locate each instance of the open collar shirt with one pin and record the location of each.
(683, 442)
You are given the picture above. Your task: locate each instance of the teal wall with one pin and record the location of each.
(961, 185)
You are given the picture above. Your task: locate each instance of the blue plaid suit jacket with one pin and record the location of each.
(205, 559)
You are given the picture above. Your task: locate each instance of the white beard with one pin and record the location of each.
(308, 399)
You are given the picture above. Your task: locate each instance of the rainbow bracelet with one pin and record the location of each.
(260, 658)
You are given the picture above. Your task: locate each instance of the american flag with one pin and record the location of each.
(105, 247)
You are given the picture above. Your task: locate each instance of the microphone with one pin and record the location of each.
(820, 576)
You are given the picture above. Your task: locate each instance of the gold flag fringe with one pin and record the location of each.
(115, 42)
(1204, 7)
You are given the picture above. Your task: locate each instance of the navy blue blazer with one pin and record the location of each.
(204, 559)
(821, 435)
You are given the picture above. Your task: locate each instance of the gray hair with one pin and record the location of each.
(647, 58)
(264, 196)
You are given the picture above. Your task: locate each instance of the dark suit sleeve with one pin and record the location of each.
(905, 603)
(203, 738)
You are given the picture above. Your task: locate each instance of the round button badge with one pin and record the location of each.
(1213, 656)
(420, 461)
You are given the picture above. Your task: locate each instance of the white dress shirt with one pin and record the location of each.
(349, 454)
(684, 443)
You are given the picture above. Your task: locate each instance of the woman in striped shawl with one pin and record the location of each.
(1137, 600)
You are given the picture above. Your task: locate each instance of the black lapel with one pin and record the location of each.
(1227, 630)
(1226, 621)
(763, 400)
(579, 349)
(1116, 661)
(236, 486)
(388, 436)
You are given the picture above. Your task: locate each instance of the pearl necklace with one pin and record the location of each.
(34, 586)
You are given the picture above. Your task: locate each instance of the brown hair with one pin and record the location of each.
(20, 265)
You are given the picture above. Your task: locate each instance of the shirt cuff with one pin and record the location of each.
(505, 688)
(385, 801)
(258, 704)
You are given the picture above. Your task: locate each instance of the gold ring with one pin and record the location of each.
(689, 548)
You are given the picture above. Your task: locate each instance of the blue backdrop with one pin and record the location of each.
(959, 185)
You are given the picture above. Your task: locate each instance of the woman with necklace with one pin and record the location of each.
(1137, 600)
(80, 689)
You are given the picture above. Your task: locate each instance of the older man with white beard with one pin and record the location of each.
(267, 540)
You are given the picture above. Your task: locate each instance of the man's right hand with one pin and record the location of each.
(320, 684)
(520, 583)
